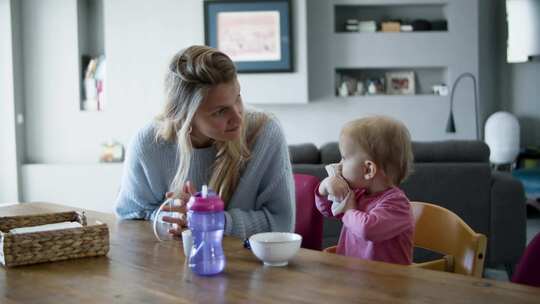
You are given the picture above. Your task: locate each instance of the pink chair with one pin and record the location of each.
(528, 269)
(309, 222)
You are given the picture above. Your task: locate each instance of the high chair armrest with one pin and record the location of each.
(445, 263)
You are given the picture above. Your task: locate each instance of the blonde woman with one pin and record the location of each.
(204, 136)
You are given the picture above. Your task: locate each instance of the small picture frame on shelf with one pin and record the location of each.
(255, 34)
(400, 83)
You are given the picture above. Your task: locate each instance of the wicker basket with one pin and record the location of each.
(54, 245)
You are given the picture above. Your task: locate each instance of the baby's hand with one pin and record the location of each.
(350, 204)
(334, 185)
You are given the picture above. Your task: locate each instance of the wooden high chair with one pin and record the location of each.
(439, 229)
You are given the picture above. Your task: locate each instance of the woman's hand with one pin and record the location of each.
(179, 205)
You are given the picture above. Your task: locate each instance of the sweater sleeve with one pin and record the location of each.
(322, 203)
(275, 203)
(136, 199)
(385, 221)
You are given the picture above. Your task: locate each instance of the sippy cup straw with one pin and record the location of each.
(204, 191)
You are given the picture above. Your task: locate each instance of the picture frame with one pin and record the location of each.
(400, 83)
(255, 34)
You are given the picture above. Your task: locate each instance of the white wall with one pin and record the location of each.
(320, 122)
(8, 151)
(90, 186)
(140, 38)
(54, 128)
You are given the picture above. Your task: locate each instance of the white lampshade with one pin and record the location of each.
(502, 137)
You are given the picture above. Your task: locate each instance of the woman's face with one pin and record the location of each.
(219, 117)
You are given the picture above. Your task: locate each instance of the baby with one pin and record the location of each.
(377, 219)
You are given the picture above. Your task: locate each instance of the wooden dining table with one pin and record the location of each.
(139, 269)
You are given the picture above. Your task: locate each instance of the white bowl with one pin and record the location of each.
(275, 248)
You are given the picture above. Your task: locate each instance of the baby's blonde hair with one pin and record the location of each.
(387, 143)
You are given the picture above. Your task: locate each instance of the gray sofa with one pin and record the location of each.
(456, 175)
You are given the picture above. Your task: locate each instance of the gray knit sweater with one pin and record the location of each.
(263, 200)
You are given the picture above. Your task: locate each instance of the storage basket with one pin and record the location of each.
(53, 245)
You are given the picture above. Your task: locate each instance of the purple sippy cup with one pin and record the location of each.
(206, 220)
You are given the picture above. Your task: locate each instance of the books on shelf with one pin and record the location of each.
(367, 26)
(371, 26)
(94, 85)
(391, 26)
(353, 25)
(406, 28)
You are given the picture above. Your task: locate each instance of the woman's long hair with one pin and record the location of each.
(192, 72)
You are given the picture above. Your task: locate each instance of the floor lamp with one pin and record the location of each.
(451, 125)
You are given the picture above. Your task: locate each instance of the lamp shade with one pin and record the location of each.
(502, 137)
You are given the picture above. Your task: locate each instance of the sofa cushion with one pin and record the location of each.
(451, 151)
(330, 153)
(304, 154)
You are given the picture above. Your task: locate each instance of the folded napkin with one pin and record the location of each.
(47, 227)
(338, 203)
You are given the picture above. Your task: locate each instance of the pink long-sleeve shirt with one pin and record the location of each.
(381, 228)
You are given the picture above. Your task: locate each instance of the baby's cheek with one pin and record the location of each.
(348, 176)
(352, 177)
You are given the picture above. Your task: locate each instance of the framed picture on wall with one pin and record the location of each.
(400, 83)
(256, 35)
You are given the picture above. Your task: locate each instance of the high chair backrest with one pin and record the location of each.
(440, 230)
(309, 221)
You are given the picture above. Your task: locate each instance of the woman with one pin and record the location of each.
(204, 136)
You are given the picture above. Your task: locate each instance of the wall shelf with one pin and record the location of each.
(391, 33)
(435, 57)
(391, 49)
(381, 12)
(404, 98)
(91, 44)
(424, 78)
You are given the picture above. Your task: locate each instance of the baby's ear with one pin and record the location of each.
(370, 169)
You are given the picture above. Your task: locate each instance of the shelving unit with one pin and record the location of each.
(369, 56)
(424, 78)
(435, 57)
(385, 12)
(91, 44)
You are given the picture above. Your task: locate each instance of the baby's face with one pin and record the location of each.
(352, 162)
